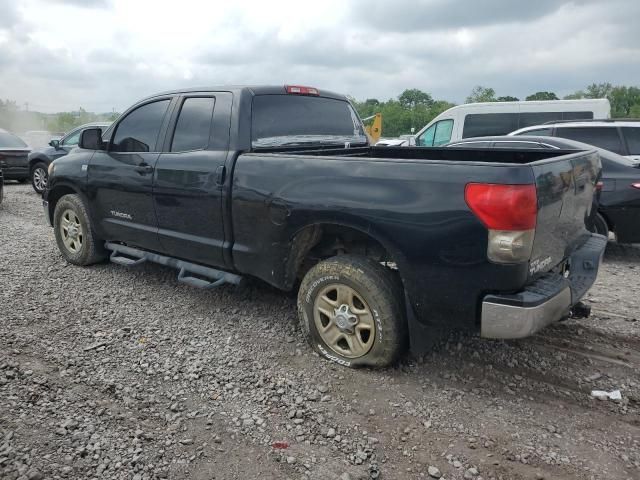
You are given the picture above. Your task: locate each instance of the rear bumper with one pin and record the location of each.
(15, 173)
(545, 301)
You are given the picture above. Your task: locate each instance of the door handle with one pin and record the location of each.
(144, 168)
(220, 174)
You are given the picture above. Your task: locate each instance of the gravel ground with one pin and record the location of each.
(109, 372)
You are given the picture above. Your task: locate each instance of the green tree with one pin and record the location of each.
(577, 95)
(507, 99)
(623, 100)
(598, 90)
(481, 94)
(543, 96)
(413, 97)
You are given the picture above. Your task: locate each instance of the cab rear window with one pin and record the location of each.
(289, 120)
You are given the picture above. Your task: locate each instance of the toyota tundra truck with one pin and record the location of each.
(385, 246)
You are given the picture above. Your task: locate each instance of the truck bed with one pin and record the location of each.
(411, 200)
(478, 155)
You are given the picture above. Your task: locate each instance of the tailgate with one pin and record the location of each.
(565, 187)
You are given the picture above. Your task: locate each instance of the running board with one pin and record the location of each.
(191, 274)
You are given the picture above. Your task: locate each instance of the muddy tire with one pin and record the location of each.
(75, 238)
(351, 311)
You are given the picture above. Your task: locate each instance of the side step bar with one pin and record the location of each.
(191, 274)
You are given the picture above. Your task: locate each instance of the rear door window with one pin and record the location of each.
(603, 137)
(489, 124)
(632, 136)
(194, 124)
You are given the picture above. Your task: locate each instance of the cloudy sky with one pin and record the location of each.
(105, 54)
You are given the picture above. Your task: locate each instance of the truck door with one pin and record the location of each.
(188, 188)
(120, 178)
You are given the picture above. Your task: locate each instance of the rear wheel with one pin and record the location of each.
(74, 236)
(599, 225)
(39, 177)
(351, 311)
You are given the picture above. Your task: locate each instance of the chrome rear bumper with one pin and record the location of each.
(547, 300)
(509, 321)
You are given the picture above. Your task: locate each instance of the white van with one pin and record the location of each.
(501, 118)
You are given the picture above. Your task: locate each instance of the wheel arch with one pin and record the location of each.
(323, 239)
(37, 159)
(56, 193)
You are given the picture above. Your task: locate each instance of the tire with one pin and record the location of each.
(599, 225)
(75, 238)
(372, 330)
(39, 177)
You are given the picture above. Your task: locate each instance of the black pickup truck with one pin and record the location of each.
(386, 245)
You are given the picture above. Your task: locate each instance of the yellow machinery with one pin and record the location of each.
(375, 129)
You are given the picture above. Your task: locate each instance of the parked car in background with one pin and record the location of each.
(619, 202)
(39, 160)
(13, 157)
(1, 186)
(500, 118)
(619, 136)
(36, 138)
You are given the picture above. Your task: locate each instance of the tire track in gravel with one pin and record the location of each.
(249, 339)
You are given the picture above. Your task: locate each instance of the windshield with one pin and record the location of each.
(281, 120)
(8, 140)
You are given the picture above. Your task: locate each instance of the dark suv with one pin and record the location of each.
(39, 160)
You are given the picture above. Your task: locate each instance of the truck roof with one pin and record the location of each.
(247, 89)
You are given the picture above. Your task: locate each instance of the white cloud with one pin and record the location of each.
(106, 54)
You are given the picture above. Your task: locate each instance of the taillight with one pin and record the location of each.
(510, 213)
(636, 185)
(300, 90)
(599, 186)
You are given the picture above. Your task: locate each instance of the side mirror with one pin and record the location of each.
(91, 139)
(55, 144)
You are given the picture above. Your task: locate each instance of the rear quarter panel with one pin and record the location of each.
(416, 209)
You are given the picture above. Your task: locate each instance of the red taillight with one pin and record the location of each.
(636, 185)
(503, 207)
(599, 186)
(300, 90)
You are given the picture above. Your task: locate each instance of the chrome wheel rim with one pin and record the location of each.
(344, 320)
(71, 231)
(40, 178)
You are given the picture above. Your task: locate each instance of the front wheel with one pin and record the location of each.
(74, 236)
(351, 310)
(39, 177)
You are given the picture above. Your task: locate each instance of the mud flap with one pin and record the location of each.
(422, 338)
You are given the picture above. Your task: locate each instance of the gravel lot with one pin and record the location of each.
(109, 372)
